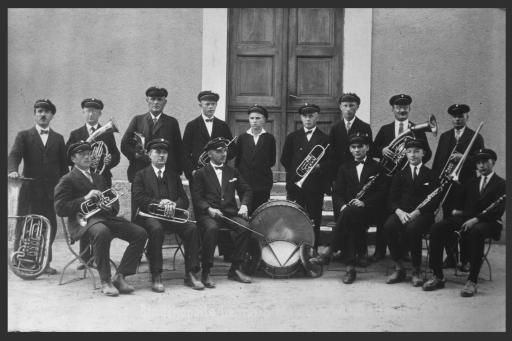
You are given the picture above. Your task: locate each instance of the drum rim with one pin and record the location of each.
(282, 202)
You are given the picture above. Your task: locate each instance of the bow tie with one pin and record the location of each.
(44, 131)
(359, 163)
(309, 132)
(218, 167)
(208, 119)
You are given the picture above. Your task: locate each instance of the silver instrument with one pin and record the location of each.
(158, 211)
(204, 159)
(99, 148)
(310, 161)
(92, 206)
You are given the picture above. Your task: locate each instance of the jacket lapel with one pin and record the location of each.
(153, 181)
(213, 177)
(159, 123)
(52, 139)
(489, 185)
(82, 179)
(36, 139)
(226, 175)
(147, 131)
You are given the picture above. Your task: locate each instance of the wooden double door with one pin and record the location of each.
(281, 58)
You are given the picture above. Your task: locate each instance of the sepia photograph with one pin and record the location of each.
(256, 170)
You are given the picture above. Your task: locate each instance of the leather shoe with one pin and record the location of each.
(156, 283)
(416, 280)
(120, 283)
(207, 280)
(434, 283)
(469, 289)
(237, 275)
(50, 271)
(108, 289)
(396, 277)
(193, 282)
(350, 276)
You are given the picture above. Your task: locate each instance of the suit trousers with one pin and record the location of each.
(402, 237)
(188, 232)
(443, 230)
(100, 236)
(209, 228)
(312, 202)
(350, 232)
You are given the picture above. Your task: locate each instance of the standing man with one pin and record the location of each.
(297, 146)
(471, 217)
(156, 185)
(81, 185)
(151, 125)
(44, 157)
(456, 140)
(213, 194)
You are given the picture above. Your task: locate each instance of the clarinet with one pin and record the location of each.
(364, 189)
(486, 210)
(432, 195)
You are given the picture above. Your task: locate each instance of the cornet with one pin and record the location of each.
(92, 206)
(99, 148)
(157, 211)
(310, 161)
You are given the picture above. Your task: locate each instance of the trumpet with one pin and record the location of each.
(158, 211)
(99, 148)
(92, 206)
(204, 158)
(308, 164)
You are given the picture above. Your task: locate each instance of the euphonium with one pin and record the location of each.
(31, 245)
(92, 206)
(204, 158)
(157, 211)
(397, 146)
(308, 164)
(99, 148)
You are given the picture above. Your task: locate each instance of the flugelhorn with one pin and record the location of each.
(204, 158)
(99, 148)
(157, 211)
(92, 206)
(308, 164)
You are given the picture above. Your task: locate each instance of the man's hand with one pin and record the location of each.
(468, 224)
(316, 168)
(169, 207)
(403, 216)
(107, 159)
(93, 193)
(387, 152)
(356, 203)
(214, 212)
(243, 212)
(414, 214)
(13, 175)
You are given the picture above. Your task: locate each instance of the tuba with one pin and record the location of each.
(397, 146)
(204, 158)
(92, 206)
(310, 161)
(158, 212)
(99, 148)
(28, 237)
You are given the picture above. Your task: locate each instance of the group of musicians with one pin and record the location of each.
(361, 194)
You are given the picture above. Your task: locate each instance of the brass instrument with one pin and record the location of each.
(397, 146)
(364, 189)
(157, 211)
(308, 164)
(99, 148)
(140, 142)
(204, 159)
(92, 206)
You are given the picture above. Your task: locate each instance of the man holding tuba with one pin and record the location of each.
(81, 187)
(159, 195)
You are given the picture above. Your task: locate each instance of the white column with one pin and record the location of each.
(357, 58)
(215, 55)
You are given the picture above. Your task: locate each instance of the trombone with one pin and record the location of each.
(158, 211)
(92, 206)
(308, 164)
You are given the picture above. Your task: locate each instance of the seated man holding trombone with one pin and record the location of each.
(162, 204)
(91, 207)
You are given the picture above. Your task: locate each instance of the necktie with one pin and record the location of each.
(400, 128)
(482, 186)
(457, 135)
(348, 126)
(208, 119)
(93, 129)
(159, 174)
(414, 173)
(44, 132)
(154, 120)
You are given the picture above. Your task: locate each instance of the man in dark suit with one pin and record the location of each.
(213, 194)
(400, 107)
(456, 140)
(151, 125)
(472, 217)
(297, 146)
(159, 187)
(79, 186)
(201, 130)
(409, 187)
(352, 223)
(44, 157)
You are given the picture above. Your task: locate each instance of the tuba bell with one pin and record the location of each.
(398, 161)
(99, 148)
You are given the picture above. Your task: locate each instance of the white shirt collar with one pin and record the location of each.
(406, 123)
(312, 130)
(158, 169)
(204, 117)
(263, 131)
(214, 165)
(364, 160)
(351, 121)
(461, 130)
(157, 116)
(87, 172)
(39, 128)
(489, 176)
(90, 126)
(418, 165)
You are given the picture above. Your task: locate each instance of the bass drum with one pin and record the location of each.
(286, 227)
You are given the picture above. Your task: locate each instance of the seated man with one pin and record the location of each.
(213, 195)
(410, 187)
(161, 188)
(476, 214)
(78, 186)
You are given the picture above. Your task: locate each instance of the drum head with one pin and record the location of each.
(312, 269)
(280, 259)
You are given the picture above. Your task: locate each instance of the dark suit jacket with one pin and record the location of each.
(207, 192)
(407, 195)
(472, 203)
(445, 147)
(296, 148)
(339, 145)
(46, 164)
(195, 138)
(145, 188)
(386, 134)
(255, 161)
(108, 138)
(348, 185)
(69, 195)
(166, 127)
